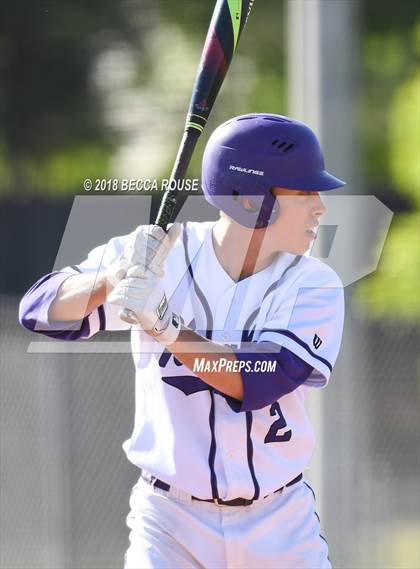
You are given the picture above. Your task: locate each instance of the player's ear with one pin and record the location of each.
(249, 205)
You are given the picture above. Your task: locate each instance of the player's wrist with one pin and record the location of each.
(165, 324)
(168, 332)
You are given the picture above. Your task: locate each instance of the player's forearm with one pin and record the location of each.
(229, 383)
(78, 296)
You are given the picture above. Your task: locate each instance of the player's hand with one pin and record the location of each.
(146, 248)
(143, 294)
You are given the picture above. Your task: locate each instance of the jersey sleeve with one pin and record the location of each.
(34, 307)
(309, 322)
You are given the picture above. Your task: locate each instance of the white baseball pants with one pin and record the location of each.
(169, 530)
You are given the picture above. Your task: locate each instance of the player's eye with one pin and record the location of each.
(302, 196)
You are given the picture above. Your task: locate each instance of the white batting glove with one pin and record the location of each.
(143, 294)
(146, 248)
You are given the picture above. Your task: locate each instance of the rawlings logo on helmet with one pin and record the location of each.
(246, 170)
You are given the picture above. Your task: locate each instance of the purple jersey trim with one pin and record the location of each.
(212, 449)
(248, 332)
(34, 307)
(198, 291)
(264, 388)
(317, 517)
(102, 318)
(295, 338)
(250, 454)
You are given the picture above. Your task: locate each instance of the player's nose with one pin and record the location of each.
(317, 205)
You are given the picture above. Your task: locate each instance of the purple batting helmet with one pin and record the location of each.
(251, 154)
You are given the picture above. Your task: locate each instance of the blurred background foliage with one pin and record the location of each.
(390, 130)
(98, 88)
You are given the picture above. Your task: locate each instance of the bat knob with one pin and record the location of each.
(127, 315)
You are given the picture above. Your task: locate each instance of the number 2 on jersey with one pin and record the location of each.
(272, 436)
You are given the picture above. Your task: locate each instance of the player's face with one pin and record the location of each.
(296, 227)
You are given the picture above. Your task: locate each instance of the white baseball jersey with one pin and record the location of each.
(185, 432)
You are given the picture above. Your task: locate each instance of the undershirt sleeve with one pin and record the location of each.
(35, 305)
(287, 373)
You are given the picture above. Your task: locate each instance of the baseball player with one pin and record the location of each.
(231, 325)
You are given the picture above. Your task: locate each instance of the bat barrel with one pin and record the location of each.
(228, 21)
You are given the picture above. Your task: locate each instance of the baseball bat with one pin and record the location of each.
(226, 26)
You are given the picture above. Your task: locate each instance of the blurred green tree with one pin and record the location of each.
(49, 106)
(389, 56)
(392, 140)
(257, 78)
